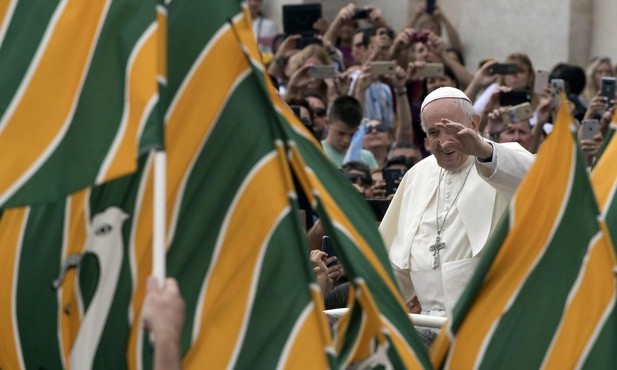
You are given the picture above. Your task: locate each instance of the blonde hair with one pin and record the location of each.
(523, 59)
(591, 87)
(312, 50)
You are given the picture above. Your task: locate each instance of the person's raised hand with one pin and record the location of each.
(464, 139)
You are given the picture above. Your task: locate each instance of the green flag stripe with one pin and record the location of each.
(603, 355)
(284, 300)
(533, 292)
(18, 48)
(36, 302)
(186, 39)
(90, 131)
(219, 147)
(208, 141)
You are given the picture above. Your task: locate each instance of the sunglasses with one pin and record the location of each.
(364, 179)
(319, 112)
(379, 128)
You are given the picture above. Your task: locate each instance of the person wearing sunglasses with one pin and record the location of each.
(319, 111)
(377, 140)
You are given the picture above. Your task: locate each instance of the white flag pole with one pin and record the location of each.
(158, 232)
(416, 319)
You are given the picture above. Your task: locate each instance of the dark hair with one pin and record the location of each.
(372, 31)
(575, 79)
(346, 109)
(400, 160)
(316, 96)
(366, 178)
(337, 297)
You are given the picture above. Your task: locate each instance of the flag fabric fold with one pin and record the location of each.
(235, 244)
(78, 91)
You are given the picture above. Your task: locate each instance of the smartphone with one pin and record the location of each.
(541, 81)
(518, 113)
(361, 13)
(514, 97)
(557, 86)
(392, 176)
(382, 67)
(590, 128)
(504, 69)
(326, 246)
(322, 72)
(430, 6)
(607, 89)
(430, 70)
(419, 37)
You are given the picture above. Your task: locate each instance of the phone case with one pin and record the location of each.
(382, 68)
(430, 70)
(590, 128)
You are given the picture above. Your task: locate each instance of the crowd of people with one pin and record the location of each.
(459, 142)
(366, 109)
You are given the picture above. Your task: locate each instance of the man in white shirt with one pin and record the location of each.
(448, 204)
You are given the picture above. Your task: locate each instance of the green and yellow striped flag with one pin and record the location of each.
(235, 243)
(544, 293)
(78, 89)
(607, 137)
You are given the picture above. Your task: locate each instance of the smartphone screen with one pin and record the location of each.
(390, 176)
(514, 97)
(557, 86)
(326, 246)
(607, 89)
(430, 6)
(504, 69)
(322, 72)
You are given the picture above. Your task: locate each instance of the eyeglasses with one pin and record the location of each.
(379, 128)
(319, 112)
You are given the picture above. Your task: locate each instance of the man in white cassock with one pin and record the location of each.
(448, 204)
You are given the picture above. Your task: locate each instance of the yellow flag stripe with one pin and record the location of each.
(161, 18)
(226, 280)
(194, 111)
(140, 258)
(378, 320)
(141, 97)
(590, 302)
(537, 227)
(304, 349)
(604, 176)
(75, 235)
(11, 237)
(31, 106)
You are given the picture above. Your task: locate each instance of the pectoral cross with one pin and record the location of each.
(435, 248)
